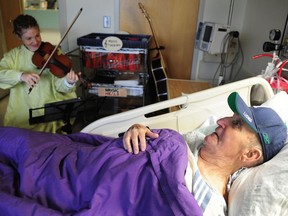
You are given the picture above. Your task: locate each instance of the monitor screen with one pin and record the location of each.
(207, 33)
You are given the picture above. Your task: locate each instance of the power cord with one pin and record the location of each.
(227, 42)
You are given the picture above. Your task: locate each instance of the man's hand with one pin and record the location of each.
(134, 138)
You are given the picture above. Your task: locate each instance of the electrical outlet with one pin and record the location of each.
(232, 50)
(211, 58)
(106, 21)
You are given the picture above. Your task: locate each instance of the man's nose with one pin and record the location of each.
(223, 122)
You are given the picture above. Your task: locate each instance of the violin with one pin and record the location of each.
(59, 64)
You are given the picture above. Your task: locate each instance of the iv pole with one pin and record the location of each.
(230, 12)
(221, 75)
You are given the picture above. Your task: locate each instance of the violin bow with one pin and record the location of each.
(57, 46)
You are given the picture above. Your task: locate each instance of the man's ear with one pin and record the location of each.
(252, 155)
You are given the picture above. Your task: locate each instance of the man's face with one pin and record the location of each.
(229, 141)
(31, 38)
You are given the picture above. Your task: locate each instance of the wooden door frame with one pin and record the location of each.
(10, 9)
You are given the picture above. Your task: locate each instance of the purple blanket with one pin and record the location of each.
(81, 174)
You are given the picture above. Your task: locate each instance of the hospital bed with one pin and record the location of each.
(66, 175)
(262, 190)
(193, 109)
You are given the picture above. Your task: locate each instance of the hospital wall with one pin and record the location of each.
(253, 19)
(91, 19)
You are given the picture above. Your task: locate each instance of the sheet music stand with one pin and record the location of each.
(60, 110)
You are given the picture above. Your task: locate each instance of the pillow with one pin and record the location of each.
(263, 190)
(196, 137)
(279, 103)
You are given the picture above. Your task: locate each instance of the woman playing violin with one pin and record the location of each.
(19, 74)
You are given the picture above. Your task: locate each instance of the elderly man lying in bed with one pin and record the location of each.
(87, 174)
(248, 138)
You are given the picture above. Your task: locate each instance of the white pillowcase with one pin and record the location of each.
(263, 190)
(279, 103)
